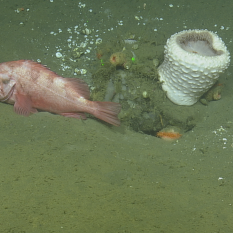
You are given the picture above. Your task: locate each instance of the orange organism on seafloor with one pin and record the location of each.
(169, 135)
(99, 54)
(118, 59)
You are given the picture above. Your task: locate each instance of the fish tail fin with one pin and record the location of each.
(107, 111)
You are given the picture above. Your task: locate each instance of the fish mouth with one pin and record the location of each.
(9, 94)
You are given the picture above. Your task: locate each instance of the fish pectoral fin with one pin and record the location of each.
(23, 105)
(78, 115)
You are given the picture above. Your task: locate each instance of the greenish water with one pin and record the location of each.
(67, 175)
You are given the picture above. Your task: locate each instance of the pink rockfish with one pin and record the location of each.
(31, 86)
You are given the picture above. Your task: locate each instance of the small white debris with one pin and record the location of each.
(170, 5)
(224, 141)
(120, 22)
(222, 27)
(80, 71)
(83, 71)
(98, 41)
(80, 5)
(86, 31)
(221, 129)
(83, 44)
(130, 41)
(58, 55)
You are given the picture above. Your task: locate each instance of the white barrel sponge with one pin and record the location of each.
(192, 62)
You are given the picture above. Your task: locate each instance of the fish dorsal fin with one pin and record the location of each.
(79, 86)
(23, 105)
